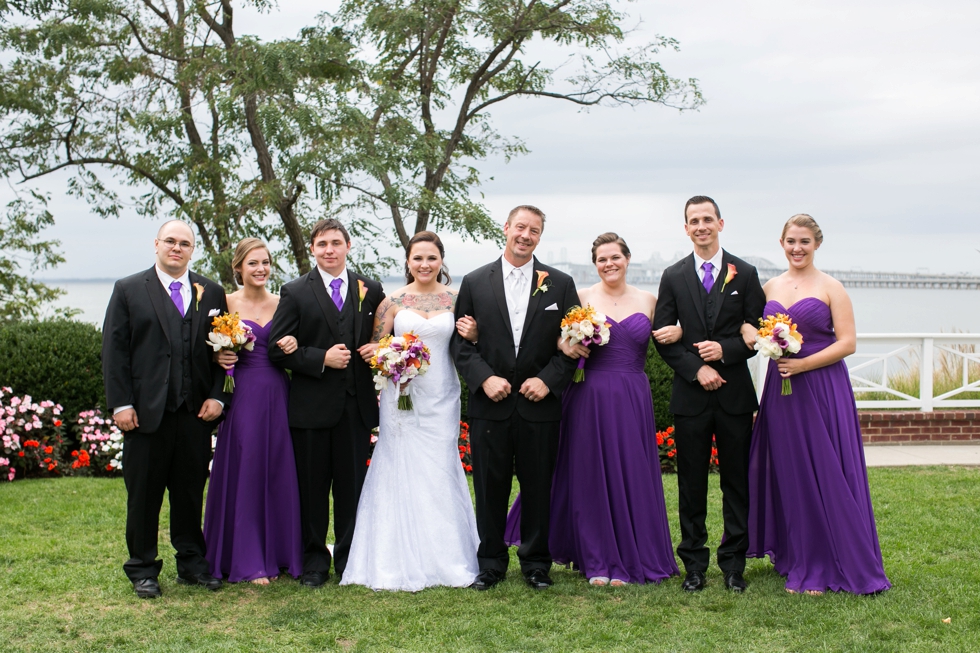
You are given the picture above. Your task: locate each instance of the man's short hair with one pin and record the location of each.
(702, 199)
(328, 224)
(189, 228)
(526, 207)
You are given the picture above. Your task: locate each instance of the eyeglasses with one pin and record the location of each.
(183, 244)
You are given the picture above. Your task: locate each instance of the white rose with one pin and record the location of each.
(794, 345)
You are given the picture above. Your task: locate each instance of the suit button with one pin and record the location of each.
(166, 381)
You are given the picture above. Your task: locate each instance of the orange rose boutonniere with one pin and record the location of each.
(200, 293)
(361, 293)
(543, 283)
(728, 277)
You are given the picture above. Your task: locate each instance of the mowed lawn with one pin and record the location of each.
(62, 589)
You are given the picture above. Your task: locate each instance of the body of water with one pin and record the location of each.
(876, 310)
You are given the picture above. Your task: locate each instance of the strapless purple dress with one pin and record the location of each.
(809, 504)
(251, 522)
(608, 516)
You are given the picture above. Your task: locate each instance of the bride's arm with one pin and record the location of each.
(384, 323)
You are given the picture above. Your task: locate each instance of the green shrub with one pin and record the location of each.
(56, 360)
(661, 381)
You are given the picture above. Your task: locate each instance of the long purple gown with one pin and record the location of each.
(809, 503)
(608, 516)
(251, 522)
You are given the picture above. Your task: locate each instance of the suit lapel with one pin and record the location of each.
(695, 287)
(194, 308)
(497, 284)
(532, 304)
(320, 292)
(726, 258)
(354, 295)
(157, 299)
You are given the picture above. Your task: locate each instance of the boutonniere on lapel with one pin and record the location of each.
(728, 277)
(200, 293)
(543, 283)
(361, 293)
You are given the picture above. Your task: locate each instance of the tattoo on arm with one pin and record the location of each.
(427, 302)
(379, 319)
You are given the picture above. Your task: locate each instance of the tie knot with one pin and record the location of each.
(707, 267)
(176, 285)
(336, 283)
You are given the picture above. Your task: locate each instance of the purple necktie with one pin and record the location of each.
(709, 281)
(335, 295)
(175, 296)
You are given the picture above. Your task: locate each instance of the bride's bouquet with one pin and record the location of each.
(587, 326)
(778, 337)
(400, 359)
(230, 333)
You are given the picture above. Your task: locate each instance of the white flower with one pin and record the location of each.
(793, 345)
(768, 348)
(219, 341)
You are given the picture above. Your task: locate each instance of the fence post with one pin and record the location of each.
(925, 375)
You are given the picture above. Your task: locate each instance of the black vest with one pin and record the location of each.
(179, 330)
(710, 302)
(345, 325)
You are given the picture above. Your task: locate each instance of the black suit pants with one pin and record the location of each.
(692, 436)
(330, 458)
(499, 448)
(175, 458)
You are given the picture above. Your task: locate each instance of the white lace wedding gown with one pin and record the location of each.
(415, 524)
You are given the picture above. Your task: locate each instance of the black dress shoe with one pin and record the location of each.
(735, 582)
(538, 579)
(487, 579)
(694, 581)
(204, 579)
(147, 588)
(313, 578)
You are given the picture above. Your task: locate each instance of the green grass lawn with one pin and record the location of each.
(62, 589)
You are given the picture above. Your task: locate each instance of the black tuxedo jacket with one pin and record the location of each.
(136, 347)
(481, 296)
(681, 300)
(318, 394)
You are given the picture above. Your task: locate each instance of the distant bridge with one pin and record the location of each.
(648, 274)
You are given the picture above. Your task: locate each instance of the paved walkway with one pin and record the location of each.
(921, 454)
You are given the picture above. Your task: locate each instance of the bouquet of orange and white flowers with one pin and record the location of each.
(400, 359)
(230, 333)
(778, 337)
(587, 326)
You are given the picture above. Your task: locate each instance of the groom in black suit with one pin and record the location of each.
(332, 401)
(516, 375)
(712, 294)
(166, 393)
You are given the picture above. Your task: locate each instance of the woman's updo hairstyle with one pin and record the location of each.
(428, 237)
(605, 239)
(807, 222)
(241, 253)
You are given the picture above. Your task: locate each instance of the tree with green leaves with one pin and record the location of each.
(378, 114)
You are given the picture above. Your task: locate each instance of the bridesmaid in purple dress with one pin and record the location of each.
(809, 504)
(608, 516)
(251, 522)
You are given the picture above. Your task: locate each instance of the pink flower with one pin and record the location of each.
(15, 401)
(28, 427)
(11, 474)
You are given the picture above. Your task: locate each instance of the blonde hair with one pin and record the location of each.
(242, 251)
(805, 221)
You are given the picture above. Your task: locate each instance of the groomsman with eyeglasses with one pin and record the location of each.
(711, 294)
(165, 391)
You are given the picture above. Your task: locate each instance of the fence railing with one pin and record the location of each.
(922, 371)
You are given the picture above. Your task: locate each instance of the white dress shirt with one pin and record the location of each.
(518, 294)
(715, 265)
(328, 279)
(185, 285)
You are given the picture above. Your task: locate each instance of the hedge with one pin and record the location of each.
(57, 360)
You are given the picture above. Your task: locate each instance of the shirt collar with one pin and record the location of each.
(166, 279)
(714, 260)
(327, 277)
(526, 269)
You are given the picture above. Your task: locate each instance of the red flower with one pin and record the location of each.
(670, 442)
(660, 439)
(57, 422)
(670, 454)
(48, 449)
(21, 454)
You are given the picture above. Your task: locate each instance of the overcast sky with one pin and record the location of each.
(864, 114)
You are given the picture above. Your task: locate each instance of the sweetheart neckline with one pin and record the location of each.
(261, 326)
(776, 301)
(610, 317)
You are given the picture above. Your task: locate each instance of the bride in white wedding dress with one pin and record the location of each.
(415, 524)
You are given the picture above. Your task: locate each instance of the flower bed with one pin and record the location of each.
(668, 452)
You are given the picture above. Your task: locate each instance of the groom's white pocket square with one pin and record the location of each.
(734, 292)
(213, 312)
(553, 307)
